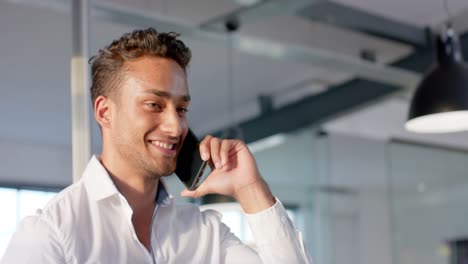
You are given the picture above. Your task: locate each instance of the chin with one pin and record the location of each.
(166, 170)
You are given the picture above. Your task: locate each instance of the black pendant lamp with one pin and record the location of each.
(440, 103)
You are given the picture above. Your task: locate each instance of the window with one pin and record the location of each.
(20, 203)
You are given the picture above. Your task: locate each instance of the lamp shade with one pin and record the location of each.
(440, 103)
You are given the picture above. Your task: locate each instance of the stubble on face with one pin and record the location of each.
(146, 165)
(131, 131)
(132, 147)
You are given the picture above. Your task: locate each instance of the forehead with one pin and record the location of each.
(155, 73)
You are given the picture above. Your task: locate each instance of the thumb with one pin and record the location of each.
(199, 192)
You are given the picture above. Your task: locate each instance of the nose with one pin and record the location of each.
(172, 124)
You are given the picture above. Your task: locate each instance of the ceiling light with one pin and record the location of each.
(440, 103)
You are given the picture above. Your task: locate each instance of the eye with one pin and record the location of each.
(154, 106)
(182, 110)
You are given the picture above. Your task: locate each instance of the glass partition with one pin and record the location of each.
(429, 192)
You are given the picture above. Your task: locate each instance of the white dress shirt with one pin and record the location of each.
(90, 222)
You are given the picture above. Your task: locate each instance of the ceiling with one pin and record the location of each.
(280, 51)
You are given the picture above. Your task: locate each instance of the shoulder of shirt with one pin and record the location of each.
(62, 200)
(49, 217)
(68, 193)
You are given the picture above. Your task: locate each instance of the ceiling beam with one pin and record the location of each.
(312, 110)
(264, 47)
(336, 101)
(259, 11)
(337, 14)
(251, 45)
(316, 109)
(325, 59)
(380, 80)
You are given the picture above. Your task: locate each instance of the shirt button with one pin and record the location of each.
(283, 219)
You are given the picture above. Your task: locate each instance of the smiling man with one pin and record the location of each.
(120, 211)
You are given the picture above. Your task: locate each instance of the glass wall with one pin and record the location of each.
(429, 196)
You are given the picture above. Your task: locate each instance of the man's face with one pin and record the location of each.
(149, 115)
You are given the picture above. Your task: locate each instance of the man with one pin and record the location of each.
(120, 211)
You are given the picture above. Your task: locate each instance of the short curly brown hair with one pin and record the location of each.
(107, 64)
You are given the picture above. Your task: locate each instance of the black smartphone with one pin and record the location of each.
(190, 167)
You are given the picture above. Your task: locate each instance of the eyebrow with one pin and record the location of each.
(185, 98)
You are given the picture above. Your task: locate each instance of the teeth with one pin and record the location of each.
(163, 145)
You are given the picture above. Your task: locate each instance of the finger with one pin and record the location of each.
(199, 192)
(205, 148)
(215, 147)
(187, 193)
(224, 152)
(211, 164)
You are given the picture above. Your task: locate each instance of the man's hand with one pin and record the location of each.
(234, 173)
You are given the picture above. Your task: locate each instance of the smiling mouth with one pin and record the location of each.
(163, 145)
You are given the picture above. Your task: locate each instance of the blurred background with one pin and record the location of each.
(319, 89)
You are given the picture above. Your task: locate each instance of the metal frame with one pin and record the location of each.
(316, 109)
(347, 17)
(261, 10)
(313, 110)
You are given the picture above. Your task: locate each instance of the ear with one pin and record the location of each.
(102, 111)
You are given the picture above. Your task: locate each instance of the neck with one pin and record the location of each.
(138, 189)
(140, 195)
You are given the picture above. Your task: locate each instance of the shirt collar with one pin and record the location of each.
(97, 181)
(163, 198)
(99, 184)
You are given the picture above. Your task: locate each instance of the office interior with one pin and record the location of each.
(319, 89)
